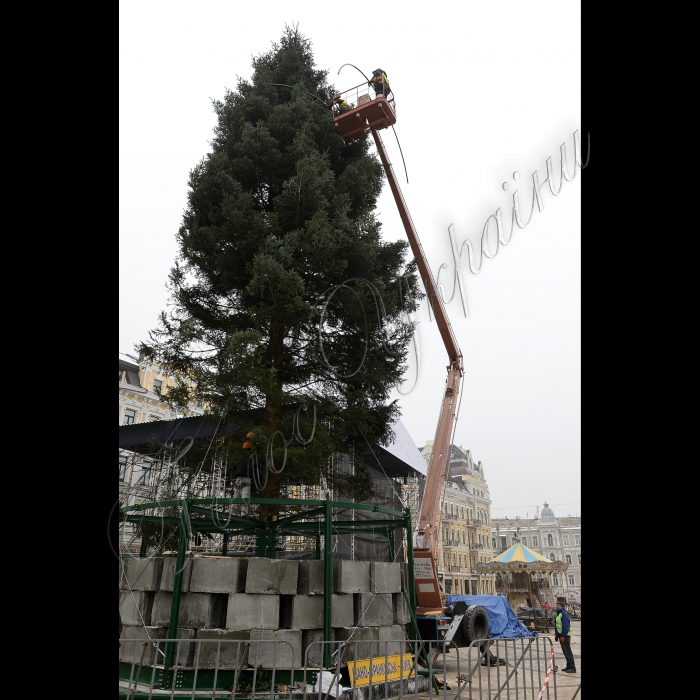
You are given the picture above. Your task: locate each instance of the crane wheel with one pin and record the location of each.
(475, 624)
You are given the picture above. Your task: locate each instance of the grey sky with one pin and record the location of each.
(483, 90)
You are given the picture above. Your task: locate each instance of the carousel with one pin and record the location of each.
(522, 576)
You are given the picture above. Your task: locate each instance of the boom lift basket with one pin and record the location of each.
(368, 112)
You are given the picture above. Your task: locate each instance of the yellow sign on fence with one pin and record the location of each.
(388, 668)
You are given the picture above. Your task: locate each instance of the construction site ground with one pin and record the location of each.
(568, 685)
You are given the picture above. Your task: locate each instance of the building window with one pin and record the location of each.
(151, 418)
(129, 416)
(568, 558)
(555, 579)
(464, 541)
(512, 541)
(565, 539)
(121, 374)
(551, 556)
(122, 468)
(157, 386)
(550, 540)
(503, 543)
(535, 541)
(199, 403)
(452, 512)
(524, 541)
(145, 478)
(493, 542)
(579, 560)
(577, 540)
(572, 580)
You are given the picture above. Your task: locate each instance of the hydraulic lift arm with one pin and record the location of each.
(425, 546)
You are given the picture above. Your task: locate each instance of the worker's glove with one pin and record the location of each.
(562, 639)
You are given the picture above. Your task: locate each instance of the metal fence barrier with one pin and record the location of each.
(494, 669)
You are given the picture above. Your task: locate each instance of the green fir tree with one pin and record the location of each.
(289, 311)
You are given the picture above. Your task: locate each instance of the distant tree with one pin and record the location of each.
(285, 301)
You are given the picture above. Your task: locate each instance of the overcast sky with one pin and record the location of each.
(483, 90)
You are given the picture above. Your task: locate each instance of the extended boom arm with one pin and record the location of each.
(425, 550)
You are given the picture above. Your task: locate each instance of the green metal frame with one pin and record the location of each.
(314, 517)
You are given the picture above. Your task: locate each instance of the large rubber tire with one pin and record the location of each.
(475, 624)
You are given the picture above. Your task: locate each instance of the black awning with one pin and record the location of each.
(141, 438)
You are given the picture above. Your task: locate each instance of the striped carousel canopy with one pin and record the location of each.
(519, 552)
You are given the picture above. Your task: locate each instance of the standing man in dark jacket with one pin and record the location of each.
(562, 624)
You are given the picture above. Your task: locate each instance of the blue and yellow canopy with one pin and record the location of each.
(519, 552)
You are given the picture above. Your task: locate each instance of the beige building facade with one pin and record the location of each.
(142, 388)
(465, 525)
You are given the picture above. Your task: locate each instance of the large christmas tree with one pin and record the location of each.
(286, 302)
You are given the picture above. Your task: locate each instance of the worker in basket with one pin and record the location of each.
(381, 83)
(341, 104)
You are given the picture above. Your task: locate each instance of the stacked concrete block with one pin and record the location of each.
(136, 607)
(385, 577)
(216, 575)
(136, 652)
(306, 612)
(351, 576)
(284, 653)
(169, 569)
(402, 615)
(247, 612)
(343, 610)
(312, 647)
(395, 636)
(271, 576)
(142, 574)
(232, 651)
(311, 577)
(404, 574)
(373, 609)
(197, 610)
(302, 612)
(360, 641)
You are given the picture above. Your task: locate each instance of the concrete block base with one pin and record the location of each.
(216, 575)
(351, 576)
(136, 607)
(142, 651)
(232, 651)
(169, 569)
(275, 649)
(249, 612)
(197, 610)
(385, 577)
(272, 576)
(373, 609)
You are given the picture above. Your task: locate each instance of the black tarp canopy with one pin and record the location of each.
(141, 438)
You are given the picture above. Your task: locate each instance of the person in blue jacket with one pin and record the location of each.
(562, 624)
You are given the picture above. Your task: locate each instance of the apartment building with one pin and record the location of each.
(465, 524)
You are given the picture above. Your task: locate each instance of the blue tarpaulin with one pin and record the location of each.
(503, 624)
